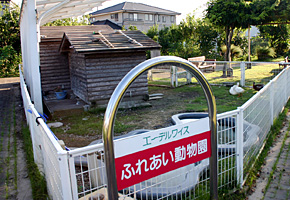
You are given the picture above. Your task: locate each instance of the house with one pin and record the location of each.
(136, 14)
(90, 61)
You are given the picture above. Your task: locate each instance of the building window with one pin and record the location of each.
(114, 16)
(150, 17)
(131, 16)
(172, 19)
(135, 16)
(158, 18)
(163, 18)
(146, 17)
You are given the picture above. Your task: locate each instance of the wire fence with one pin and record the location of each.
(81, 173)
(246, 73)
(50, 158)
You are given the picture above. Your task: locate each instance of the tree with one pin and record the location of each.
(206, 37)
(266, 11)
(73, 21)
(192, 37)
(228, 15)
(278, 36)
(9, 41)
(234, 14)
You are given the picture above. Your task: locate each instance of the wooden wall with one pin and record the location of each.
(53, 66)
(78, 75)
(95, 77)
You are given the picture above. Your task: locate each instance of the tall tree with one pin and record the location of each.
(192, 37)
(228, 15)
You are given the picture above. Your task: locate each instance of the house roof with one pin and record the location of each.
(134, 7)
(85, 41)
(109, 23)
(50, 33)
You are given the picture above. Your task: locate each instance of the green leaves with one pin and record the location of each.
(10, 32)
(192, 37)
(9, 60)
(9, 41)
(73, 21)
(278, 36)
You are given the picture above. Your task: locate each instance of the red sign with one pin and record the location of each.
(143, 165)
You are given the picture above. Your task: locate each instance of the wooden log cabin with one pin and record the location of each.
(91, 60)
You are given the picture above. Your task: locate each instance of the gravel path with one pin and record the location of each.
(14, 181)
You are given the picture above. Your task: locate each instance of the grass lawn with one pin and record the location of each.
(259, 73)
(80, 128)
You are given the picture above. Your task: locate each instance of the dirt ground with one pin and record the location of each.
(156, 116)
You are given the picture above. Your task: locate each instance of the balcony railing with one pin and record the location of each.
(133, 20)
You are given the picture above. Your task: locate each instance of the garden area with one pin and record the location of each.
(80, 127)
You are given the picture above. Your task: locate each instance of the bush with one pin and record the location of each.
(236, 51)
(9, 61)
(265, 52)
(9, 41)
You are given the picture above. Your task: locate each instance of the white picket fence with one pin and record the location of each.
(76, 173)
(179, 77)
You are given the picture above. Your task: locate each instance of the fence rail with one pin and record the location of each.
(242, 72)
(51, 159)
(79, 173)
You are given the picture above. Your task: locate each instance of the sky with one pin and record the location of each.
(182, 6)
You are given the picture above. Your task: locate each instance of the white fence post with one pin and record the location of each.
(239, 146)
(271, 101)
(242, 81)
(174, 78)
(285, 86)
(188, 77)
(150, 75)
(288, 78)
(65, 176)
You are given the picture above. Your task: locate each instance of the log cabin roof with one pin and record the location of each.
(50, 33)
(106, 41)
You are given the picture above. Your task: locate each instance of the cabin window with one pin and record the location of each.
(172, 19)
(146, 17)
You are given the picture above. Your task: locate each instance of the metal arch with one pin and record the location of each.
(110, 114)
